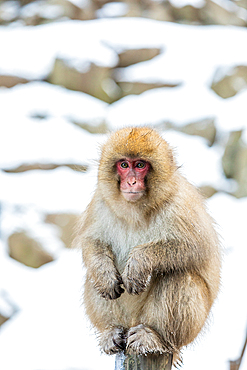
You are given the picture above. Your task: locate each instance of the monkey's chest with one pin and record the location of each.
(122, 237)
(123, 241)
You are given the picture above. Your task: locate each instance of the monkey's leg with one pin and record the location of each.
(107, 317)
(113, 340)
(142, 340)
(176, 308)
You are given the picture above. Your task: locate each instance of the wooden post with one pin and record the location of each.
(235, 365)
(149, 362)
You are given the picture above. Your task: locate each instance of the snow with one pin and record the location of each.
(179, 105)
(182, 3)
(112, 10)
(200, 163)
(52, 191)
(9, 10)
(36, 48)
(48, 140)
(50, 331)
(41, 9)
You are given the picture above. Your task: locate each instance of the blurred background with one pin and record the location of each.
(70, 72)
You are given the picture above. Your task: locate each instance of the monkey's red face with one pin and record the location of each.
(132, 173)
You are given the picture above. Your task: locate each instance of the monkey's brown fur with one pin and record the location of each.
(162, 248)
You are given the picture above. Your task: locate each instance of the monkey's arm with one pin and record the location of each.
(160, 257)
(101, 270)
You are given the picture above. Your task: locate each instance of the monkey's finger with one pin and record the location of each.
(120, 343)
(119, 289)
(135, 287)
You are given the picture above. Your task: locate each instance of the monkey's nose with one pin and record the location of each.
(131, 182)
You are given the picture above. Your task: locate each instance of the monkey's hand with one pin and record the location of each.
(110, 286)
(137, 273)
(107, 281)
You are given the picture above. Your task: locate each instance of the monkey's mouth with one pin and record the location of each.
(132, 196)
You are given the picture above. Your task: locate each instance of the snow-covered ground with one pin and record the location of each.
(50, 331)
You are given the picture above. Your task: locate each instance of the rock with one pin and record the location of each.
(223, 13)
(3, 319)
(45, 11)
(10, 81)
(93, 81)
(185, 14)
(230, 156)
(66, 223)
(230, 82)
(27, 250)
(25, 2)
(234, 162)
(128, 58)
(242, 3)
(204, 128)
(133, 56)
(160, 11)
(7, 307)
(136, 88)
(241, 173)
(74, 10)
(39, 12)
(207, 191)
(45, 167)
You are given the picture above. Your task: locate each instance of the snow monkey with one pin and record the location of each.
(150, 249)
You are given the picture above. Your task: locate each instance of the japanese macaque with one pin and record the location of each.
(150, 249)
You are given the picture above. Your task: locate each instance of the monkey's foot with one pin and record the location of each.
(113, 340)
(142, 340)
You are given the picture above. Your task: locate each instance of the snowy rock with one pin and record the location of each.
(232, 81)
(44, 11)
(129, 57)
(3, 319)
(8, 307)
(9, 11)
(224, 13)
(159, 10)
(38, 12)
(207, 191)
(28, 251)
(91, 79)
(39, 130)
(232, 149)
(66, 223)
(133, 56)
(10, 81)
(234, 161)
(204, 128)
(44, 166)
(187, 13)
(76, 9)
(114, 9)
(137, 88)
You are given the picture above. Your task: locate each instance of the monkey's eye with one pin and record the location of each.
(140, 165)
(124, 165)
